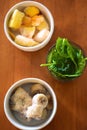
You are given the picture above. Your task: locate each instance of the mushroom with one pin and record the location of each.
(40, 99)
(37, 88)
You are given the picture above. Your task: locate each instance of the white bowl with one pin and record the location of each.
(44, 11)
(9, 114)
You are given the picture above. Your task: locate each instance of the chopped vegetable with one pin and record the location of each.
(43, 25)
(11, 34)
(37, 20)
(41, 35)
(16, 19)
(31, 11)
(27, 31)
(28, 26)
(26, 21)
(24, 41)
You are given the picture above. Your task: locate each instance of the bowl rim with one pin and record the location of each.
(14, 86)
(36, 47)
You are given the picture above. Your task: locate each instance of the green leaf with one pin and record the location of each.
(65, 60)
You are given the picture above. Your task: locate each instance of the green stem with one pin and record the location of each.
(45, 65)
(86, 58)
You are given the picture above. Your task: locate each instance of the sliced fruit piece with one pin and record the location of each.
(37, 20)
(24, 41)
(31, 11)
(43, 25)
(41, 35)
(16, 19)
(26, 21)
(27, 31)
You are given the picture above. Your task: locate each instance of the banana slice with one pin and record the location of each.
(24, 41)
(35, 111)
(37, 88)
(16, 19)
(41, 35)
(40, 99)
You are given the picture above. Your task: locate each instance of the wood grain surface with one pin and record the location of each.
(70, 18)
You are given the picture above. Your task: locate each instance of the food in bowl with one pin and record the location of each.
(65, 60)
(17, 108)
(28, 26)
(31, 37)
(31, 104)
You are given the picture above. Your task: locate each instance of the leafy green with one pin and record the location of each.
(65, 60)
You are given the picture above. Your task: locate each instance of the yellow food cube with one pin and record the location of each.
(26, 21)
(31, 11)
(27, 31)
(16, 19)
(24, 41)
(43, 25)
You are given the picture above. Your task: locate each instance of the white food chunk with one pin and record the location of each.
(34, 111)
(40, 99)
(41, 35)
(24, 41)
(20, 100)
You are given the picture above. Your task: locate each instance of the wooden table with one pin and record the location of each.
(70, 18)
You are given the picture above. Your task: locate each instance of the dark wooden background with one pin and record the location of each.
(70, 18)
